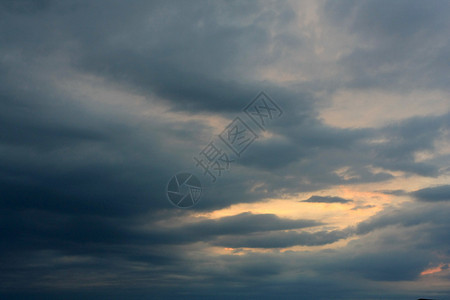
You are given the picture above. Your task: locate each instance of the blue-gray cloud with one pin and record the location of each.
(326, 199)
(82, 178)
(433, 194)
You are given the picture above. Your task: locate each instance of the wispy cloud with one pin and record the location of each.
(326, 199)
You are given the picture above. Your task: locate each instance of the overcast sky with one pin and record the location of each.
(344, 195)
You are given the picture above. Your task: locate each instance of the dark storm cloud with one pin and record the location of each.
(25, 6)
(314, 152)
(385, 266)
(404, 139)
(78, 233)
(393, 192)
(197, 70)
(394, 245)
(247, 223)
(433, 194)
(208, 230)
(393, 38)
(82, 180)
(282, 239)
(326, 199)
(408, 215)
(363, 207)
(183, 77)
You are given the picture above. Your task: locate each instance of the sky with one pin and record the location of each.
(344, 193)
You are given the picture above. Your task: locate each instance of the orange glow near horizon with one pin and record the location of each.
(433, 270)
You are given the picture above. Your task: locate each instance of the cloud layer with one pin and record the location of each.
(345, 196)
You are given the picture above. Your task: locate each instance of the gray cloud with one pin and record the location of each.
(363, 207)
(408, 215)
(326, 199)
(282, 239)
(393, 192)
(433, 194)
(82, 176)
(391, 38)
